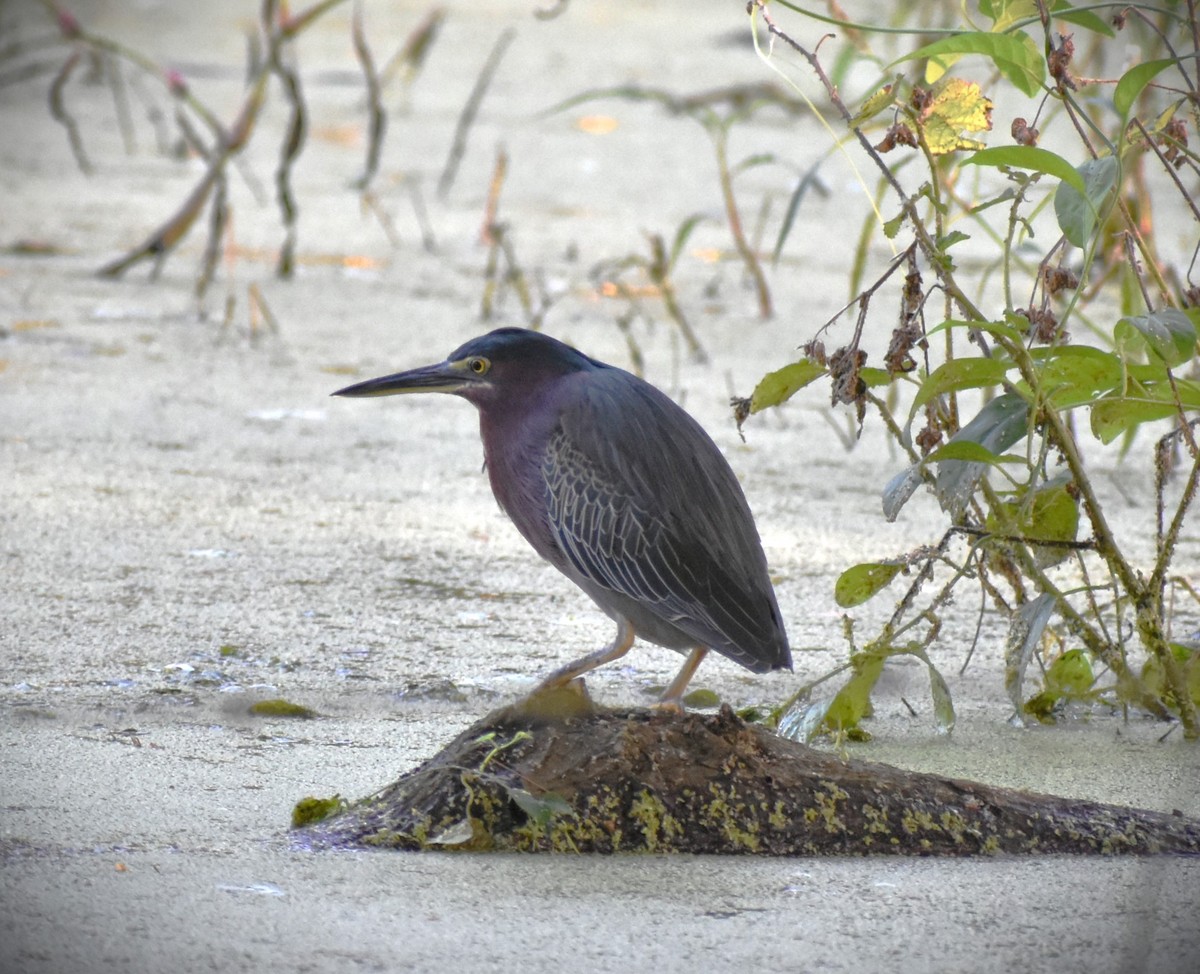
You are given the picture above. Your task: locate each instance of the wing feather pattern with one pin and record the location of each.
(642, 503)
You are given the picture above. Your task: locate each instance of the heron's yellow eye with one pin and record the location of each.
(478, 365)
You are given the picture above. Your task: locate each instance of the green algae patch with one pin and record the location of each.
(658, 825)
(310, 810)
(701, 699)
(562, 775)
(279, 707)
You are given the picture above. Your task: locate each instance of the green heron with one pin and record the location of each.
(621, 491)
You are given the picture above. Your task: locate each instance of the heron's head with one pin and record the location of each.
(492, 368)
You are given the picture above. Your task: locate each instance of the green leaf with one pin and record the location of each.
(899, 489)
(810, 180)
(1155, 680)
(1005, 13)
(466, 833)
(682, 234)
(998, 328)
(1133, 82)
(950, 239)
(1077, 212)
(1071, 675)
(876, 102)
(1041, 706)
(1168, 332)
(958, 374)
(540, 808)
(967, 450)
(1112, 416)
(1016, 56)
(997, 426)
(943, 703)
(855, 585)
(892, 226)
(1024, 633)
(804, 719)
(1029, 157)
(1051, 514)
(1054, 515)
(1074, 375)
(1062, 10)
(779, 386)
(853, 701)
(875, 378)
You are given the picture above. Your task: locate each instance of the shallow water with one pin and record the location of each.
(191, 525)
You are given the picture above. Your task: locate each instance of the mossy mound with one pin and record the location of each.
(555, 773)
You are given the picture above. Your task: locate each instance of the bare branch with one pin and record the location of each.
(467, 118)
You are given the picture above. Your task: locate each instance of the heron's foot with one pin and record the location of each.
(669, 705)
(563, 678)
(565, 675)
(672, 698)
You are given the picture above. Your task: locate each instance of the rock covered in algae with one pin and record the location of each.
(555, 773)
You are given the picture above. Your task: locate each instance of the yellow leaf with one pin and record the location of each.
(874, 104)
(344, 135)
(956, 110)
(596, 124)
(936, 67)
(360, 262)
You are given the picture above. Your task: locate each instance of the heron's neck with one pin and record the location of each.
(515, 434)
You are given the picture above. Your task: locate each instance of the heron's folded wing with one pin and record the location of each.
(655, 537)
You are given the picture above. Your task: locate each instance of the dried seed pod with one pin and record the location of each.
(1022, 134)
(1059, 60)
(898, 134)
(815, 350)
(844, 366)
(1059, 279)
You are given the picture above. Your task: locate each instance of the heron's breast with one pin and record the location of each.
(515, 470)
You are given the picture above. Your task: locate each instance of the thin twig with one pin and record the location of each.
(60, 114)
(218, 219)
(120, 96)
(1169, 539)
(377, 119)
(293, 142)
(412, 53)
(467, 117)
(1169, 169)
(428, 240)
(744, 249)
(370, 203)
(491, 206)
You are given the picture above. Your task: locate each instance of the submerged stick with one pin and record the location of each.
(555, 773)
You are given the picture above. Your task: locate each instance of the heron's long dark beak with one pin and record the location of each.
(443, 377)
